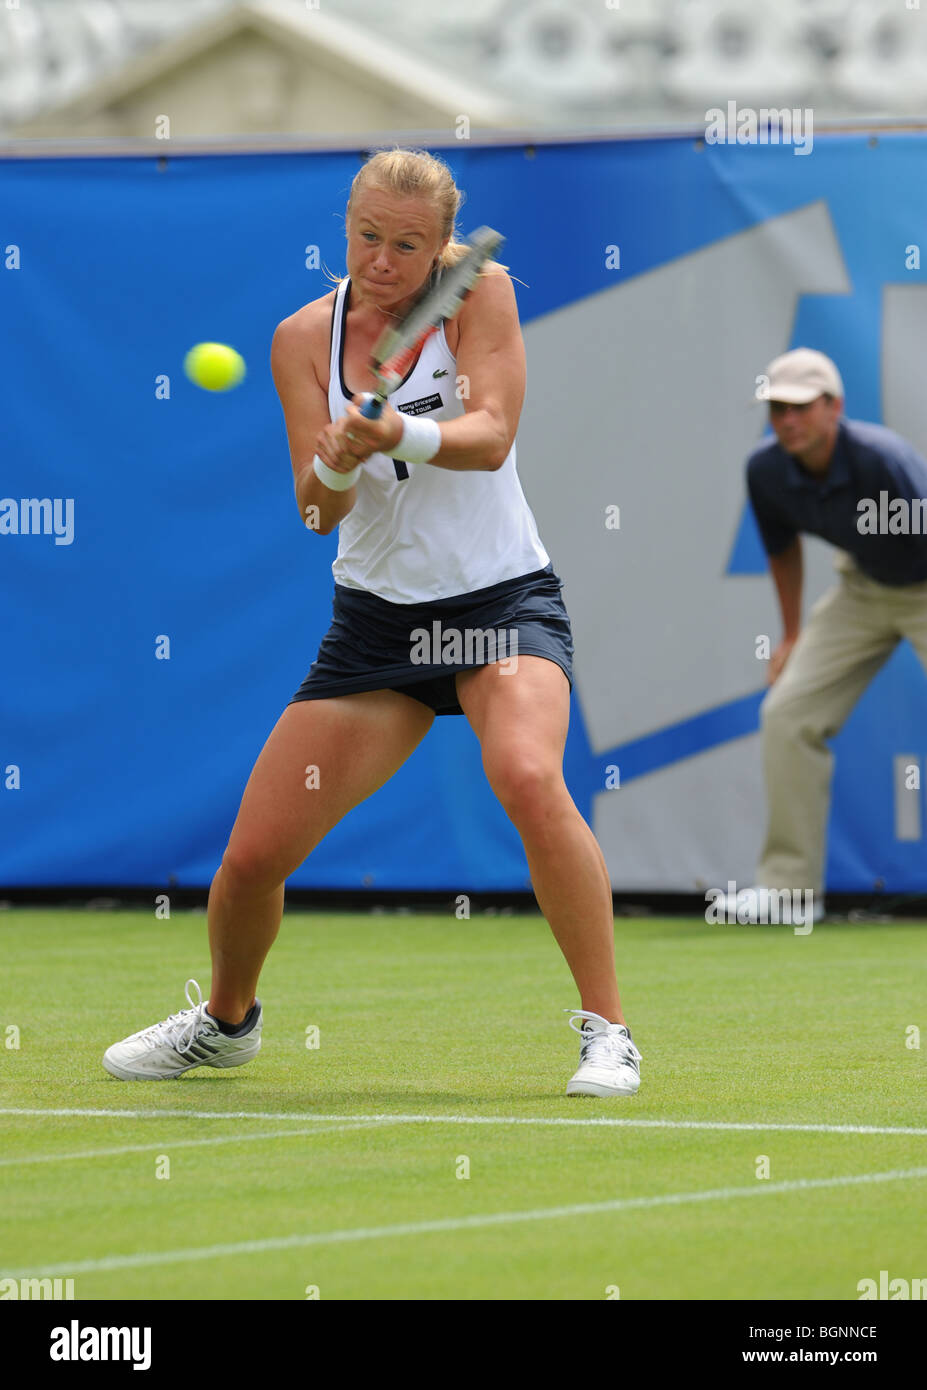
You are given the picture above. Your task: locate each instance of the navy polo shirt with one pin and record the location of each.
(868, 460)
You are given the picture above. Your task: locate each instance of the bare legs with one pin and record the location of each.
(356, 743)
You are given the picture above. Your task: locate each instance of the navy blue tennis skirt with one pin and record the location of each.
(417, 648)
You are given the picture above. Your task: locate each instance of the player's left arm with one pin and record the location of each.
(490, 378)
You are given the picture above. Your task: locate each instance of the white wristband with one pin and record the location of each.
(338, 482)
(421, 440)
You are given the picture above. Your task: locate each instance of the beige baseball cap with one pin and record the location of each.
(800, 376)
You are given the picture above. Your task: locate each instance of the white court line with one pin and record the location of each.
(302, 1117)
(173, 1144)
(417, 1228)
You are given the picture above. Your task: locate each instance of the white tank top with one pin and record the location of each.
(432, 532)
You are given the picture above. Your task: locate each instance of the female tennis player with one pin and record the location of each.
(433, 528)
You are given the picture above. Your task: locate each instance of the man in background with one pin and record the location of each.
(837, 479)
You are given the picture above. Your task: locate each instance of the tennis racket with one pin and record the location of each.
(396, 349)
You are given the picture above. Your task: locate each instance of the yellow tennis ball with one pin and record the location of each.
(214, 366)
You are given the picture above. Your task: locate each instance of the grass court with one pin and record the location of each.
(339, 1170)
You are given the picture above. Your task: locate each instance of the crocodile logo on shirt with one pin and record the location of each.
(442, 371)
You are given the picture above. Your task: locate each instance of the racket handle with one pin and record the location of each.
(372, 409)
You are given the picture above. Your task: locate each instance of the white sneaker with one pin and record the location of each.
(752, 906)
(186, 1040)
(607, 1059)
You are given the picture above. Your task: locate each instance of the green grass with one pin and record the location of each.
(432, 1016)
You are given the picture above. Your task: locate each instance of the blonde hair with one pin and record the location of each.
(414, 174)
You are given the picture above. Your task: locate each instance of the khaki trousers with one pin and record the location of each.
(850, 633)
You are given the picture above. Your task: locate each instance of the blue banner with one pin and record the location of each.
(171, 524)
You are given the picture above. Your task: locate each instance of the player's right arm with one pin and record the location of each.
(293, 352)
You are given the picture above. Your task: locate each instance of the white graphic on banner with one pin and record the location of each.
(644, 393)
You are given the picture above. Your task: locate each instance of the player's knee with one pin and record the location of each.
(251, 868)
(526, 788)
